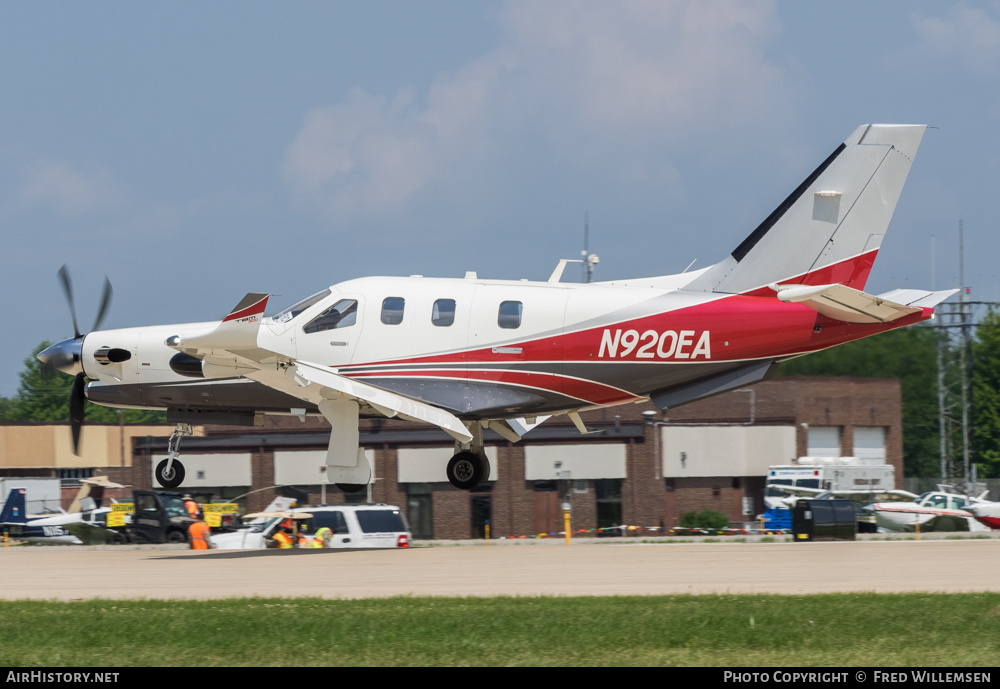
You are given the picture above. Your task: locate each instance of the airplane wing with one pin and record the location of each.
(90, 534)
(388, 403)
(849, 305)
(231, 349)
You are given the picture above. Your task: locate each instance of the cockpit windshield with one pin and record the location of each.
(299, 306)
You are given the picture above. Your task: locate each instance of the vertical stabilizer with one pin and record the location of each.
(830, 228)
(14, 510)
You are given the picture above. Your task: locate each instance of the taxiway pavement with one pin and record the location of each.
(553, 570)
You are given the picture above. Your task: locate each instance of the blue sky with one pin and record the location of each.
(193, 152)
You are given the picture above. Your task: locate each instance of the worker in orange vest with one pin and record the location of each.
(282, 538)
(200, 535)
(322, 538)
(191, 506)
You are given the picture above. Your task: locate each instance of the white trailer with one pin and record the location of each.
(830, 473)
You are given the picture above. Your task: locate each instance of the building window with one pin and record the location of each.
(443, 313)
(76, 473)
(420, 510)
(392, 310)
(510, 314)
(608, 493)
(482, 514)
(359, 498)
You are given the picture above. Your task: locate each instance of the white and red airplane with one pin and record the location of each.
(986, 512)
(936, 510)
(469, 354)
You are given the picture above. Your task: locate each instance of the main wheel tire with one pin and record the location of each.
(466, 470)
(174, 479)
(176, 537)
(351, 487)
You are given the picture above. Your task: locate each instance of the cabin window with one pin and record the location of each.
(343, 314)
(510, 314)
(443, 313)
(392, 310)
(300, 306)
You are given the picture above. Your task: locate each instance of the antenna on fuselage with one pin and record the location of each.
(589, 260)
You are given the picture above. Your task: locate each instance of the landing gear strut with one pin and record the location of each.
(468, 469)
(169, 472)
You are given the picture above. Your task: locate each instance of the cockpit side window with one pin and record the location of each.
(299, 306)
(343, 314)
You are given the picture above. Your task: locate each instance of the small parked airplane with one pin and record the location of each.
(56, 528)
(986, 512)
(938, 510)
(473, 354)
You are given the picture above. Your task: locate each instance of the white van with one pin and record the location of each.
(353, 526)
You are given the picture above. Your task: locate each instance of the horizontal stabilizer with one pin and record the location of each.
(849, 305)
(918, 297)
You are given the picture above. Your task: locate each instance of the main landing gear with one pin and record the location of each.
(468, 468)
(169, 472)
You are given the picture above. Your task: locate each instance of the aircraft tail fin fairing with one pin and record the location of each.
(830, 228)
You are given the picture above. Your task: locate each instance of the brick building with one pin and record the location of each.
(638, 468)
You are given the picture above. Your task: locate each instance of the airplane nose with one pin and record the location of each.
(64, 356)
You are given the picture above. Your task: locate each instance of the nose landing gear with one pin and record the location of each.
(169, 473)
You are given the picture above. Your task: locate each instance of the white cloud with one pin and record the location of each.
(69, 190)
(970, 35)
(592, 84)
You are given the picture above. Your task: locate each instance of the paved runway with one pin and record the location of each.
(513, 570)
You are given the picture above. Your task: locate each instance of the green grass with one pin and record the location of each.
(824, 630)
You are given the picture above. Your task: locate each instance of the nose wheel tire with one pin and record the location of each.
(171, 480)
(466, 470)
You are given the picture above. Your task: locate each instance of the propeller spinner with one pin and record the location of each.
(67, 356)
